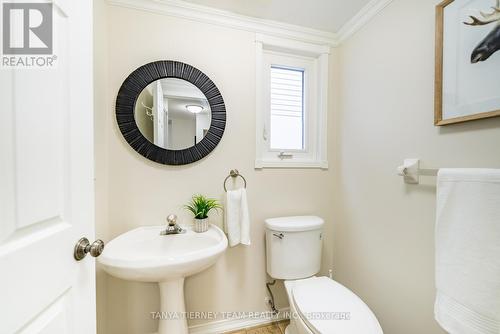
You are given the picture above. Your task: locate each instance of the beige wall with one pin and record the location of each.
(133, 191)
(384, 229)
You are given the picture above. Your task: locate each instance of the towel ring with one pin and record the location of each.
(234, 173)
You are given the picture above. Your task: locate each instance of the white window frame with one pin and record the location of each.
(314, 60)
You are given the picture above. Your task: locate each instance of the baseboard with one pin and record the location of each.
(233, 324)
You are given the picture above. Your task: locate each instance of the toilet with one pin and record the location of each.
(318, 305)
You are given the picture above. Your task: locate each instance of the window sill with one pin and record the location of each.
(260, 164)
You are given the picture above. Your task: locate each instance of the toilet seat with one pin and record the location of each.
(327, 307)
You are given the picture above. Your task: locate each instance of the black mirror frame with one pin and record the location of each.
(140, 79)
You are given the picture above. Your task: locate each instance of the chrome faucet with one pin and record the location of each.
(172, 227)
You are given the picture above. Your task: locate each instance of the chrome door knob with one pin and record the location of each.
(83, 247)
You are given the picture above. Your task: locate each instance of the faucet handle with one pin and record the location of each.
(171, 220)
(172, 227)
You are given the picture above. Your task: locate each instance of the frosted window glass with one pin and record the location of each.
(287, 108)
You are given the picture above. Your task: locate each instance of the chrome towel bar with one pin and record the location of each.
(411, 171)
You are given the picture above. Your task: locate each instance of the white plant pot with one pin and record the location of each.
(201, 225)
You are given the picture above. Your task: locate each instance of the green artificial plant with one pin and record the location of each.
(200, 206)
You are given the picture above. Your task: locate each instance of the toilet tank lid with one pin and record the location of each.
(294, 224)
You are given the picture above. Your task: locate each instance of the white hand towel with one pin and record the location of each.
(237, 217)
(468, 251)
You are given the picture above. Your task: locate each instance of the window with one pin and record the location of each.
(292, 94)
(287, 108)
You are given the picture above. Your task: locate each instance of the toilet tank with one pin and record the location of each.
(293, 246)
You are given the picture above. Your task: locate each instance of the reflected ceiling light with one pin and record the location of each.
(194, 109)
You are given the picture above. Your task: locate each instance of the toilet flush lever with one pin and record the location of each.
(281, 235)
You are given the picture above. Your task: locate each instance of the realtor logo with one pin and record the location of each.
(27, 35)
(27, 28)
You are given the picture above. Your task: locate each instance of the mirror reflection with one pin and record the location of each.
(172, 113)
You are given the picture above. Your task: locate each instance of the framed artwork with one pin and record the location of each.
(467, 61)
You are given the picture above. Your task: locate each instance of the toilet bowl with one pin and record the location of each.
(318, 305)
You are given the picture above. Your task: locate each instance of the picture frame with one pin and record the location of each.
(467, 64)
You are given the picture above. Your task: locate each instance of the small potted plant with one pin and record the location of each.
(200, 206)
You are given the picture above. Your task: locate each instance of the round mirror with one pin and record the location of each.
(172, 114)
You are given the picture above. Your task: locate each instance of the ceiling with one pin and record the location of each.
(327, 15)
(181, 93)
(173, 87)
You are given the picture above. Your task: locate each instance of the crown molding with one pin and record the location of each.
(186, 10)
(205, 14)
(368, 12)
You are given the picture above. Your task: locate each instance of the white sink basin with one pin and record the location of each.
(144, 255)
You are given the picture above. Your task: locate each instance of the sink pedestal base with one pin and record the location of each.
(172, 308)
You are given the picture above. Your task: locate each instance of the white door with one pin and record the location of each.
(158, 115)
(46, 185)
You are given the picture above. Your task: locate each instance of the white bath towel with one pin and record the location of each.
(237, 217)
(468, 251)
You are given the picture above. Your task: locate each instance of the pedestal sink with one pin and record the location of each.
(144, 255)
